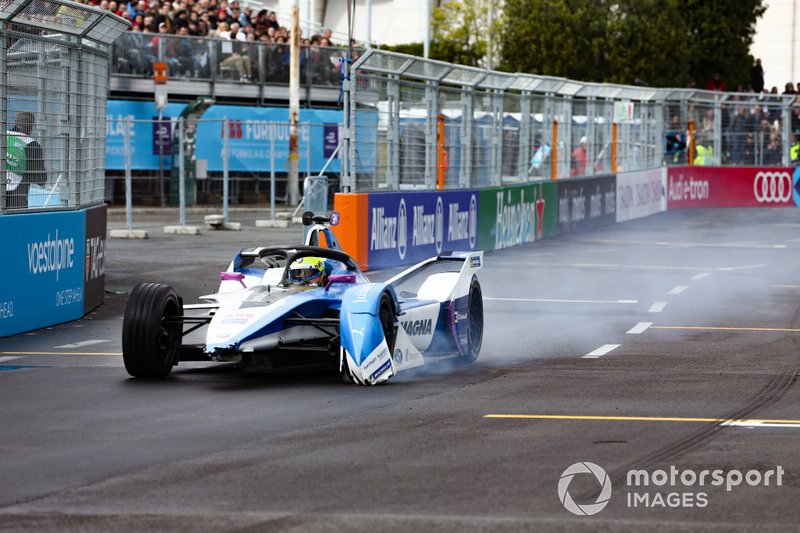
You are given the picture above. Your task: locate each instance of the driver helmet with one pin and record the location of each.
(307, 271)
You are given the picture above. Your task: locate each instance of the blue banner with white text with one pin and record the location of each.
(410, 227)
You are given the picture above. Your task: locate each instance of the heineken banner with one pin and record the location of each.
(517, 214)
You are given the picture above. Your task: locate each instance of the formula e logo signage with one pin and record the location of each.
(409, 227)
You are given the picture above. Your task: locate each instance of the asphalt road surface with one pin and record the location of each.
(666, 347)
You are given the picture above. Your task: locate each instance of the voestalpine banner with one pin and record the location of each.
(517, 214)
(42, 268)
(641, 194)
(586, 203)
(254, 131)
(409, 227)
(731, 187)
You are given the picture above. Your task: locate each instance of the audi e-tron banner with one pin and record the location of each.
(586, 203)
(409, 227)
(731, 187)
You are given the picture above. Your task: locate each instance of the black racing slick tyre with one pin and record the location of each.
(475, 317)
(386, 316)
(148, 340)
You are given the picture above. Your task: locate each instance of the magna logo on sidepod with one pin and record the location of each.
(51, 255)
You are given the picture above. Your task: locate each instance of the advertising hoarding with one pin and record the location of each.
(43, 270)
(730, 187)
(409, 227)
(586, 203)
(517, 214)
(641, 194)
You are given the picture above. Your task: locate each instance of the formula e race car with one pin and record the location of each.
(289, 308)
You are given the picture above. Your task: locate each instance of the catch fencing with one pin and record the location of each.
(417, 124)
(55, 65)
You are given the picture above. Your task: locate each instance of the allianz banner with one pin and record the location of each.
(410, 227)
(517, 214)
(43, 269)
(586, 203)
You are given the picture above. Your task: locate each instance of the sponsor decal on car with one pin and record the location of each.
(418, 327)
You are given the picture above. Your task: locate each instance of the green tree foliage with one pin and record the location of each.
(654, 42)
(459, 32)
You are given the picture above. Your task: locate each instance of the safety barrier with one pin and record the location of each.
(388, 229)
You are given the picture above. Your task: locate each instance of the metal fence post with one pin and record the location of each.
(181, 173)
(272, 170)
(225, 170)
(128, 180)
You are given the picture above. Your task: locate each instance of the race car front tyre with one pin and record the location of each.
(386, 315)
(147, 340)
(475, 314)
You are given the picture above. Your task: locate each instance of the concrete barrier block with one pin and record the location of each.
(127, 234)
(182, 230)
(272, 223)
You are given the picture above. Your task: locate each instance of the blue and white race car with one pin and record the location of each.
(288, 308)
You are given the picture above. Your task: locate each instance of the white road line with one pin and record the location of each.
(80, 344)
(657, 307)
(743, 267)
(698, 277)
(757, 424)
(639, 328)
(630, 267)
(9, 358)
(601, 351)
(678, 289)
(689, 244)
(552, 300)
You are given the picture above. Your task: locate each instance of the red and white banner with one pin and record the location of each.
(729, 187)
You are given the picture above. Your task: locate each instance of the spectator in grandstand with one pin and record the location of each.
(138, 9)
(741, 124)
(757, 76)
(578, 165)
(704, 151)
(794, 151)
(272, 20)
(230, 53)
(788, 88)
(715, 83)
(327, 34)
(773, 153)
(24, 161)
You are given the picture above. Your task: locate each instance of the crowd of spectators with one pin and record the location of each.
(751, 124)
(235, 26)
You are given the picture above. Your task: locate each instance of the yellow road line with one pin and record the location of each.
(720, 328)
(61, 353)
(643, 419)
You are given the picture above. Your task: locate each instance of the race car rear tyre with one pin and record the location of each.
(147, 342)
(475, 317)
(386, 315)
